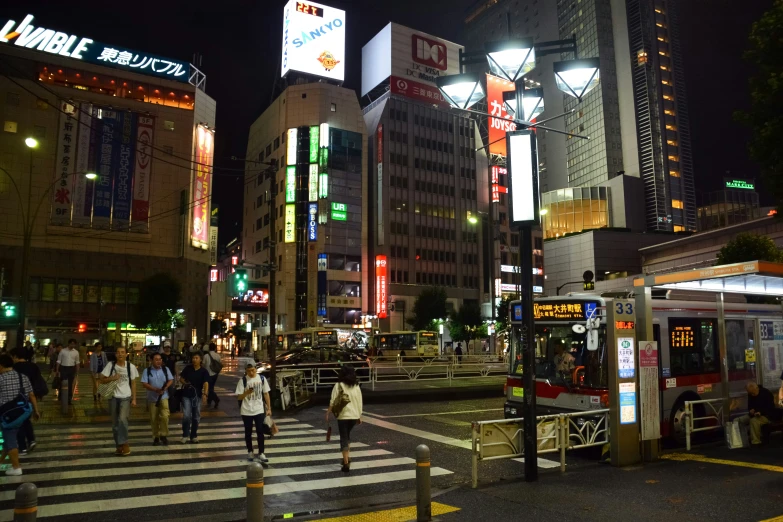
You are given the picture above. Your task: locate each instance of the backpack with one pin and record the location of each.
(244, 386)
(40, 389)
(214, 364)
(16, 411)
(166, 372)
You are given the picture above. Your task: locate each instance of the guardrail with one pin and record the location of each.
(504, 439)
(713, 418)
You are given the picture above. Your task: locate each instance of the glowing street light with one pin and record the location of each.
(91, 175)
(31, 142)
(577, 77)
(511, 59)
(461, 90)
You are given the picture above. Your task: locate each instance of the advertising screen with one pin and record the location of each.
(524, 177)
(313, 40)
(498, 126)
(202, 187)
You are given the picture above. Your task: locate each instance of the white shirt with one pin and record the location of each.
(208, 358)
(123, 388)
(69, 357)
(253, 404)
(352, 410)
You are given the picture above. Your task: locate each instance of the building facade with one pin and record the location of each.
(144, 133)
(310, 206)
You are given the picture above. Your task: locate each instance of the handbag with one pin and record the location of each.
(108, 389)
(175, 400)
(340, 402)
(215, 365)
(16, 411)
(328, 433)
(736, 437)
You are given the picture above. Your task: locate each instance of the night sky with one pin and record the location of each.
(239, 43)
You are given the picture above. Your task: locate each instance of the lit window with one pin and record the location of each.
(659, 24)
(668, 97)
(661, 39)
(677, 203)
(679, 228)
(665, 82)
(673, 143)
(674, 157)
(668, 112)
(663, 67)
(663, 53)
(671, 127)
(674, 174)
(641, 57)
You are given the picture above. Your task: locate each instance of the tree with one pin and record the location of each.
(467, 324)
(502, 313)
(749, 247)
(159, 302)
(429, 306)
(765, 117)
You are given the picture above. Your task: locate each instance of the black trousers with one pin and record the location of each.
(69, 372)
(26, 435)
(345, 427)
(249, 420)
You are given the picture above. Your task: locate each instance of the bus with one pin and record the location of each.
(343, 337)
(689, 362)
(423, 344)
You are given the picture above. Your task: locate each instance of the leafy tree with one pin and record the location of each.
(749, 247)
(239, 331)
(217, 327)
(429, 306)
(159, 300)
(765, 117)
(502, 313)
(467, 324)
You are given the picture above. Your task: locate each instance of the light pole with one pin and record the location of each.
(511, 60)
(489, 255)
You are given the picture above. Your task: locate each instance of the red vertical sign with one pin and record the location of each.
(202, 188)
(498, 126)
(380, 286)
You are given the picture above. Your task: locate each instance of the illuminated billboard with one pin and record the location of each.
(313, 40)
(524, 177)
(290, 223)
(498, 126)
(202, 187)
(380, 286)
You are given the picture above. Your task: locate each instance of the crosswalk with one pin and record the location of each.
(78, 475)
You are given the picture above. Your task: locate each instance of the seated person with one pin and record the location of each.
(761, 411)
(564, 361)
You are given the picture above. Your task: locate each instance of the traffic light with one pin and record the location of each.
(237, 283)
(9, 314)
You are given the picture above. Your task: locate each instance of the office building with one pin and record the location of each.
(737, 203)
(142, 127)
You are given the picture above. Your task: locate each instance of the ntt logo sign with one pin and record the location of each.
(429, 52)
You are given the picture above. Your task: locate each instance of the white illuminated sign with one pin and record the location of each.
(313, 40)
(524, 178)
(516, 270)
(291, 147)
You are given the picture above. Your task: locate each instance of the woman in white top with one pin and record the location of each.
(350, 415)
(253, 392)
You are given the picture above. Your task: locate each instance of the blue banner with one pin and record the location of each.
(123, 172)
(106, 152)
(312, 222)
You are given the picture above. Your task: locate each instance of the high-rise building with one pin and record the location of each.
(121, 178)
(317, 200)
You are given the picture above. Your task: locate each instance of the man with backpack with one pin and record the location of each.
(16, 402)
(121, 395)
(157, 379)
(22, 365)
(213, 364)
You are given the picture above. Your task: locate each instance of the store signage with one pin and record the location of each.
(25, 34)
(626, 361)
(380, 286)
(501, 123)
(202, 187)
(213, 245)
(312, 182)
(290, 184)
(739, 184)
(339, 211)
(569, 310)
(511, 287)
(312, 223)
(496, 171)
(516, 270)
(379, 185)
(314, 146)
(290, 152)
(290, 223)
(313, 40)
(213, 274)
(322, 265)
(524, 177)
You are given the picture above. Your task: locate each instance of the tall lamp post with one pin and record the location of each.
(512, 59)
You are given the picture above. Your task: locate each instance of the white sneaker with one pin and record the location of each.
(263, 458)
(13, 472)
(184, 440)
(250, 456)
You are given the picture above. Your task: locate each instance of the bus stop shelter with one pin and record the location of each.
(761, 278)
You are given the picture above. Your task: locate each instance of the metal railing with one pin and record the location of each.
(504, 439)
(712, 419)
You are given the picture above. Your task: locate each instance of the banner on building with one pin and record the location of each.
(123, 181)
(379, 187)
(322, 285)
(145, 127)
(381, 286)
(213, 245)
(81, 213)
(498, 126)
(312, 222)
(64, 167)
(202, 187)
(106, 153)
(289, 234)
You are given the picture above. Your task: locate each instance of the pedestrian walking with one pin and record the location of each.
(123, 396)
(213, 363)
(195, 380)
(233, 352)
(193, 350)
(157, 379)
(98, 361)
(83, 358)
(253, 393)
(13, 384)
(68, 366)
(346, 405)
(169, 358)
(26, 437)
(54, 352)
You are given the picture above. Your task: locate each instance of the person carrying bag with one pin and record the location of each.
(346, 405)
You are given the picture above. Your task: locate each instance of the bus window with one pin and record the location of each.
(736, 344)
(692, 346)
(560, 346)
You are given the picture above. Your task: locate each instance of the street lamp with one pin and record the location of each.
(511, 59)
(577, 77)
(91, 176)
(31, 143)
(461, 90)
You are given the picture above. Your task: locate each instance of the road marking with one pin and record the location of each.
(78, 489)
(701, 458)
(114, 460)
(174, 432)
(190, 497)
(78, 430)
(145, 445)
(394, 515)
(464, 444)
(188, 466)
(776, 519)
(542, 463)
(429, 414)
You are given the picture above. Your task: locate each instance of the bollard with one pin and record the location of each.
(423, 493)
(255, 492)
(26, 503)
(64, 396)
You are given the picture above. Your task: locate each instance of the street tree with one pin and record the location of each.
(159, 304)
(502, 313)
(749, 247)
(429, 306)
(466, 324)
(765, 117)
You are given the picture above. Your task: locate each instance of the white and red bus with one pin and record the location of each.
(689, 361)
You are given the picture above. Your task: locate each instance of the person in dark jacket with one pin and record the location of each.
(26, 436)
(761, 411)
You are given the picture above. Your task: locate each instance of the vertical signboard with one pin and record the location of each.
(290, 184)
(213, 245)
(65, 160)
(322, 285)
(82, 212)
(312, 223)
(314, 144)
(312, 182)
(323, 161)
(524, 177)
(379, 186)
(290, 154)
(627, 403)
(626, 364)
(289, 234)
(497, 188)
(106, 149)
(202, 187)
(648, 390)
(771, 353)
(123, 182)
(145, 127)
(500, 124)
(380, 286)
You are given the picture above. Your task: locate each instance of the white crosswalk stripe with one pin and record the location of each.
(78, 475)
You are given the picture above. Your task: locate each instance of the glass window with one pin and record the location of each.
(63, 290)
(47, 289)
(119, 293)
(34, 292)
(93, 292)
(677, 203)
(77, 291)
(107, 292)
